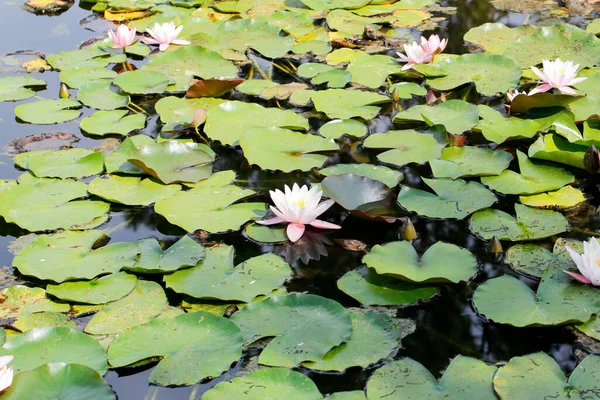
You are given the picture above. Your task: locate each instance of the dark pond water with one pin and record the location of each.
(446, 326)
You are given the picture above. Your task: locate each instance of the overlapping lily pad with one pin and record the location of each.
(564, 198)
(345, 104)
(387, 176)
(142, 82)
(532, 260)
(131, 190)
(21, 300)
(407, 146)
(102, 95)
(97, 291)
(186, 252)
(68, 163)
(14, 88)
(457, 116)
(115, 122)
(468, 161)
(117, 160)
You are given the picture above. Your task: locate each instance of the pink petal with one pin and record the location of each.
(567, 90)
(272, 221)
(407, 67)
(181, 42)
(295, 231)
(150, 41)
(163, 46)
(543, 77)
(317, 223)
(4, 360)
(578, 277)
(544, 87)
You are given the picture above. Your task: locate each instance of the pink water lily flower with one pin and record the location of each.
(6, 373)
(414, 55)
(123, 37)
(559, 75)
(588, 263)
(164, 35)
(433, 45)
(300, 207)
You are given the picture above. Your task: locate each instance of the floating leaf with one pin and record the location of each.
(524, 103)
(101, 94)
(78, 76)
(13, 88)
(405, 90)
(452, 198)
(304, 326)
(212, 87)
(457, 116)
(323, 5)
(387, 176)
(372, 70)
(117, 160)
(115, 122)
(406, 379)
(98, 291)
(69, 255)
(442, 262)
(19, 300)
(186, 252)
(130, 190)
(498, 128)
(265, 234)
(563, 198)
(217, 278)
(557, 149)
(468, 161)
(266, 383)
(406, 146)
(142, 82)
(532, 260)
(193, 347)
(42, 319)
(530, 223)
(534, 178)
(495, 37)
(354, 192)
(48, 111)
(181, 111)
(68, 163)
(345, 104)
(338, 127)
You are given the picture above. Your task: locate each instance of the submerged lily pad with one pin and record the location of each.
(530, 223)
(442, 262)
(48, 111)
(69, 255)
(115, 122)
(193, 347)
(304, 326)
(217, 278)
(68, 163)
(98, 291)
(370, 288)
(130, 190)
(14, 88)
(407, 146)
(457, 116)
(468, 161)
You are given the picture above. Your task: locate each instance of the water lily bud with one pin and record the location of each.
(456, 140)
(591, 160)
(200, 115)
(407, 230)
(63, 93)
(494, 246)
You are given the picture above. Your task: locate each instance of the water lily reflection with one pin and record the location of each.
(588, 263)
(559, 75)
(164, 35)
(122, 38)
(312, 246)
(300, 207)
(6, 373)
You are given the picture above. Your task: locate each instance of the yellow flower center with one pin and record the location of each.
(301, 203)
(561, 70)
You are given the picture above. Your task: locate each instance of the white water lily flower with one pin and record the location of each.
(299, 206)
(6, 373)
(559, 75)
(433, 45)
(588, 263)
(510, 96)
(414, 55)
(164, 35)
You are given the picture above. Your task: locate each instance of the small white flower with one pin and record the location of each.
(164, 35)
(559, 75)
(414, 55)
(510, 96)
(6, 373)
(588, 263)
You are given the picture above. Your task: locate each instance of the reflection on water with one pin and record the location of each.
(446, 326)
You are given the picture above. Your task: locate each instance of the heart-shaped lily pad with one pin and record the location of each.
(115, 122)
(131, 190)
(193, 347)
(407, 146)
(345, 104)
(186, 252)
(69, 255)
(534, 178)
(21, 300)
(532, 260)
(529, 224)
(468, 161)
(14, 88)
(497, 128)
(117, 160)
(304, 326)
(142, 82)
(60, 381)
(102, 95)
(513, 380)
(48, 111)
(266, 383)
(406, 379)
(457, 116)
(370, 288)
(68, 163)
(442, 262)
(559, 300)
(98, 291)
(387, 176)
(452, 198)
(338, 127)
(217, 278)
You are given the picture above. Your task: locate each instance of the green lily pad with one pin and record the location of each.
(68, 163)
(532, 260)
(115, 122)
(386, 175)
(323, 5)
(469, 161)
(89, 57)
(556, 148)
(130, 190)
(284, 150)
(266, 384)
(550, 382)
(346, 104)
(563, 198)
(304, 326)
(350, 395)
(79, 76)
(97, 291)
(407, 379)
(529, 224)
(452, 198)
(407, 146)
(370, 288)
(499, 129)
(19, 300)
(491, 73)
(374, 336)
(142, 82)
(42, 319)
(193, 347)
(13, 88)
(406, 90)
(373, 70)
(20, 204)
(559, 300)
(59, 344)
(354, 192)
(141, 305)
(495, 37)
(186, 62)
(254, 87)
(117, 160)
(265, 234)
(69, 255)
(457, 116)
(229, 121)
(349, 24)
(217, 278)
(564, 41)
(181, 111)
(534, 178)
(338, 127)
(323, 73)
(210, 208)
(186, 252)
(172, 161)
(48, 111)
(442, 262)
(524, 103)
(60, 381)
(100, 94)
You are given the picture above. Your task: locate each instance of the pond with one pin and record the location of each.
(175, 154)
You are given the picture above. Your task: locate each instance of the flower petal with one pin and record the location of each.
(272, 221)
(544, 87)
(295, 231)
(578, 277)
(317, 223)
